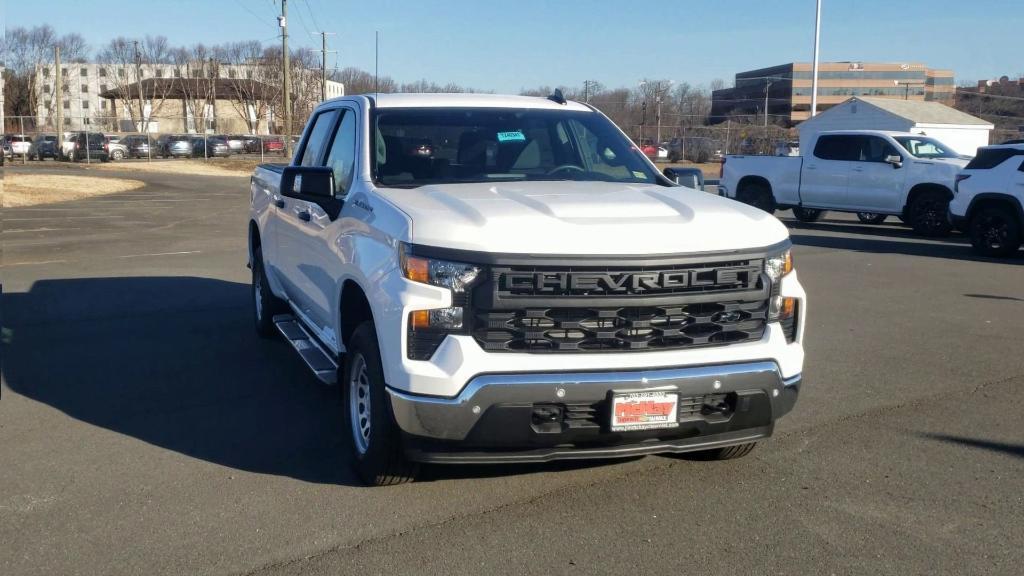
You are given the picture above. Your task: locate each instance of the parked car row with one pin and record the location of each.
(72, 146)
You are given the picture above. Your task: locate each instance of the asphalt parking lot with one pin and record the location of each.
(144, 428)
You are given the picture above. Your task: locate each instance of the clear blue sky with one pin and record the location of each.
(506, 45)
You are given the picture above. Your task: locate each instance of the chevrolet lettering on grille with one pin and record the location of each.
(625, 282)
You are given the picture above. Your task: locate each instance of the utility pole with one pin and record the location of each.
(658, 96)
(814, 66)
(60, 102)
(323, 62)
(767, 85)
(586, 90)
(283, 23)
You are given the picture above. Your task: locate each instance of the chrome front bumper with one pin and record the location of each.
(453, 419)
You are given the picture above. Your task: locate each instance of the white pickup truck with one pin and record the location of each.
(868, 172)
(508, 279)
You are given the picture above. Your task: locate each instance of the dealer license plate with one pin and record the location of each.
(644, 411)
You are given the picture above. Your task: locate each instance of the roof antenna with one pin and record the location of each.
(557, 97)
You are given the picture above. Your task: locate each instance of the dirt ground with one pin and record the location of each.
(35, 189)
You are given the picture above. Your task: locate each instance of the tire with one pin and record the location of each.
(994, 232)
(727, 453)
(871, 217)
(758, 196)
(117, 155)
(808, 214)
(264, 304)
(927, 214)
(377, 455)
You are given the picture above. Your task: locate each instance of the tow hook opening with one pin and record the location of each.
(722, 405)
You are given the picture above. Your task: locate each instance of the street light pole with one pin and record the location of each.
(767, 85)
(814, 66)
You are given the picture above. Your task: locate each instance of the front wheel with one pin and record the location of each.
(871, 217)
(928, 214)
(727, 453)
(994, 232)
(117, 155)
(808, 214)
(378, 456)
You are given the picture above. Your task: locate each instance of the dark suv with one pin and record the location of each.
(43, 146)
(96, 149)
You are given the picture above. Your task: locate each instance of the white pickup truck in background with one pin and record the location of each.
(868, 172)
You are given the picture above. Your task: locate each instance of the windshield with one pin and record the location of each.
(925, 147)
(416, 147)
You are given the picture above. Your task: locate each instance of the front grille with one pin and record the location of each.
(621, 328)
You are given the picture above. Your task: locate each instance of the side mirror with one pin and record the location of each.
(313, 184)
(895, 159)
(689, 177)
(307, 182)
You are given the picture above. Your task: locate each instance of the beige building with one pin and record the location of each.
(788, 88)
(192, 98)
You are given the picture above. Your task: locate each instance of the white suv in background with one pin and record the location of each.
(988, 200)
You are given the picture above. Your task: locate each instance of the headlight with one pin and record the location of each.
(428, 328)
(776, 266)
(455, 276)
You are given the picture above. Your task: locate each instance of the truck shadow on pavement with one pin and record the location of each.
(999, 447)
(912, 246)
(175, 363)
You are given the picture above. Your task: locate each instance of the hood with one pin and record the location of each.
(577, 218)
(959, 163)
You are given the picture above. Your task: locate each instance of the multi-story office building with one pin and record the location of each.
(98, 96)
(788, 88)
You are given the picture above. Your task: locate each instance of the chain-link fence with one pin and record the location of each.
(700, 144)
(27, 138)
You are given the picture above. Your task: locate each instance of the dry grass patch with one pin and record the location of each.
(35, 189)
(211, 167)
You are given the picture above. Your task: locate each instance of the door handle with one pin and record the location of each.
(279, 203)
(858, 169)
(304, 216)
(812, 167)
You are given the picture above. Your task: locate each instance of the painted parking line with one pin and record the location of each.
(61, 218)
(35, 262)
(24, 230)
(160, 254)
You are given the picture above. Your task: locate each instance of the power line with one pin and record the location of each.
(312, 18)
(254, 15)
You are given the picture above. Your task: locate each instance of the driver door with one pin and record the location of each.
(298, 221)
(874, 184)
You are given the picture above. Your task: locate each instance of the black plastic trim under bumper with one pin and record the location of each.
(674, 446)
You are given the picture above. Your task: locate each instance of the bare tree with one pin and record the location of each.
(255, 84)
(192, 69)
(361, 82)
(27, 54)
(126, 63)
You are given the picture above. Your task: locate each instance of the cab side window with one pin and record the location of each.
(876, 149)
(838, 147)
(342, 155)
(313, 151)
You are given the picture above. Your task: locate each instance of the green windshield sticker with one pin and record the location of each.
(514, 136)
